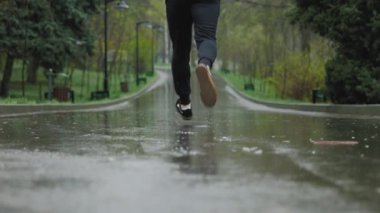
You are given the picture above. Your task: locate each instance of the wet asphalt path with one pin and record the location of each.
(141, 157)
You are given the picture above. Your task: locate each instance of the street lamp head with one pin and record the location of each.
(122, 5)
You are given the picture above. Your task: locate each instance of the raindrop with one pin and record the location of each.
(362, 155)
(366, 146)
(286, 141)
(273, 136)
(5, 122)
(37, 137)
(258, 152)
(254, 150)
(378, 190)
(314, 152)
(365, 139)
(249, 149)
(195, 153)
(353, 137)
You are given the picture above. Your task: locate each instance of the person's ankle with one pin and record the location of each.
(186, 106)
(185, 101)
(205, 61)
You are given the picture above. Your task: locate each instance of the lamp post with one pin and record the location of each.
(138, 24)
(159, 28)
(152, 50)
(120, 5)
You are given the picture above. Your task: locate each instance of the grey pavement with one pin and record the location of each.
(142, 157)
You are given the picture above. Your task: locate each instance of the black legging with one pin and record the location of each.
(182, 14)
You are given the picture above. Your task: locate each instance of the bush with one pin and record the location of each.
(352, 82)
(353, 26)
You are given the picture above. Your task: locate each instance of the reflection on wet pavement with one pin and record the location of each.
(144, 158)
(191, 159)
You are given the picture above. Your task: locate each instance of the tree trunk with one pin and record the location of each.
(305, 40)
(32, 71)
(284, 81)
(4, 90)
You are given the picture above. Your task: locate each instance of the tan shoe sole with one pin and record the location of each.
(207, 86)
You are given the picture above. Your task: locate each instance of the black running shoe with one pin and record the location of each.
(185, 113)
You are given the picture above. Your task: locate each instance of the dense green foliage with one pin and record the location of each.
(353, 74)
(68, 36)
(257, 41)
(46, 31)
(51, 28)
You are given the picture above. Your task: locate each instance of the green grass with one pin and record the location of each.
(163, 65)
(264, 89)
(82, 83)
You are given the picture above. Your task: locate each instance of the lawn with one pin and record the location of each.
(263, 90)
(83, 83)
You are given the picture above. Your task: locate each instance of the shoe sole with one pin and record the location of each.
(207, 86)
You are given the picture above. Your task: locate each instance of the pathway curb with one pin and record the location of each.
(367, 110)
(19, 110)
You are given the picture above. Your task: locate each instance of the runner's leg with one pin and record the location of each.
(180, 30)
(205, 15)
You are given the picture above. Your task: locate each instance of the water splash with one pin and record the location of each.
(254, 150)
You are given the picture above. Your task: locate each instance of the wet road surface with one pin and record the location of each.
(238, 157)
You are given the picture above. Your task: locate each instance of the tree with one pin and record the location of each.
(52, 29)
(257, 40)
(11, 34)
(62, 31)
(353, 74)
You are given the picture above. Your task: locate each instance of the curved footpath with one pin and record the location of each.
(337, 109)
(20, 110)
(25, 109)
